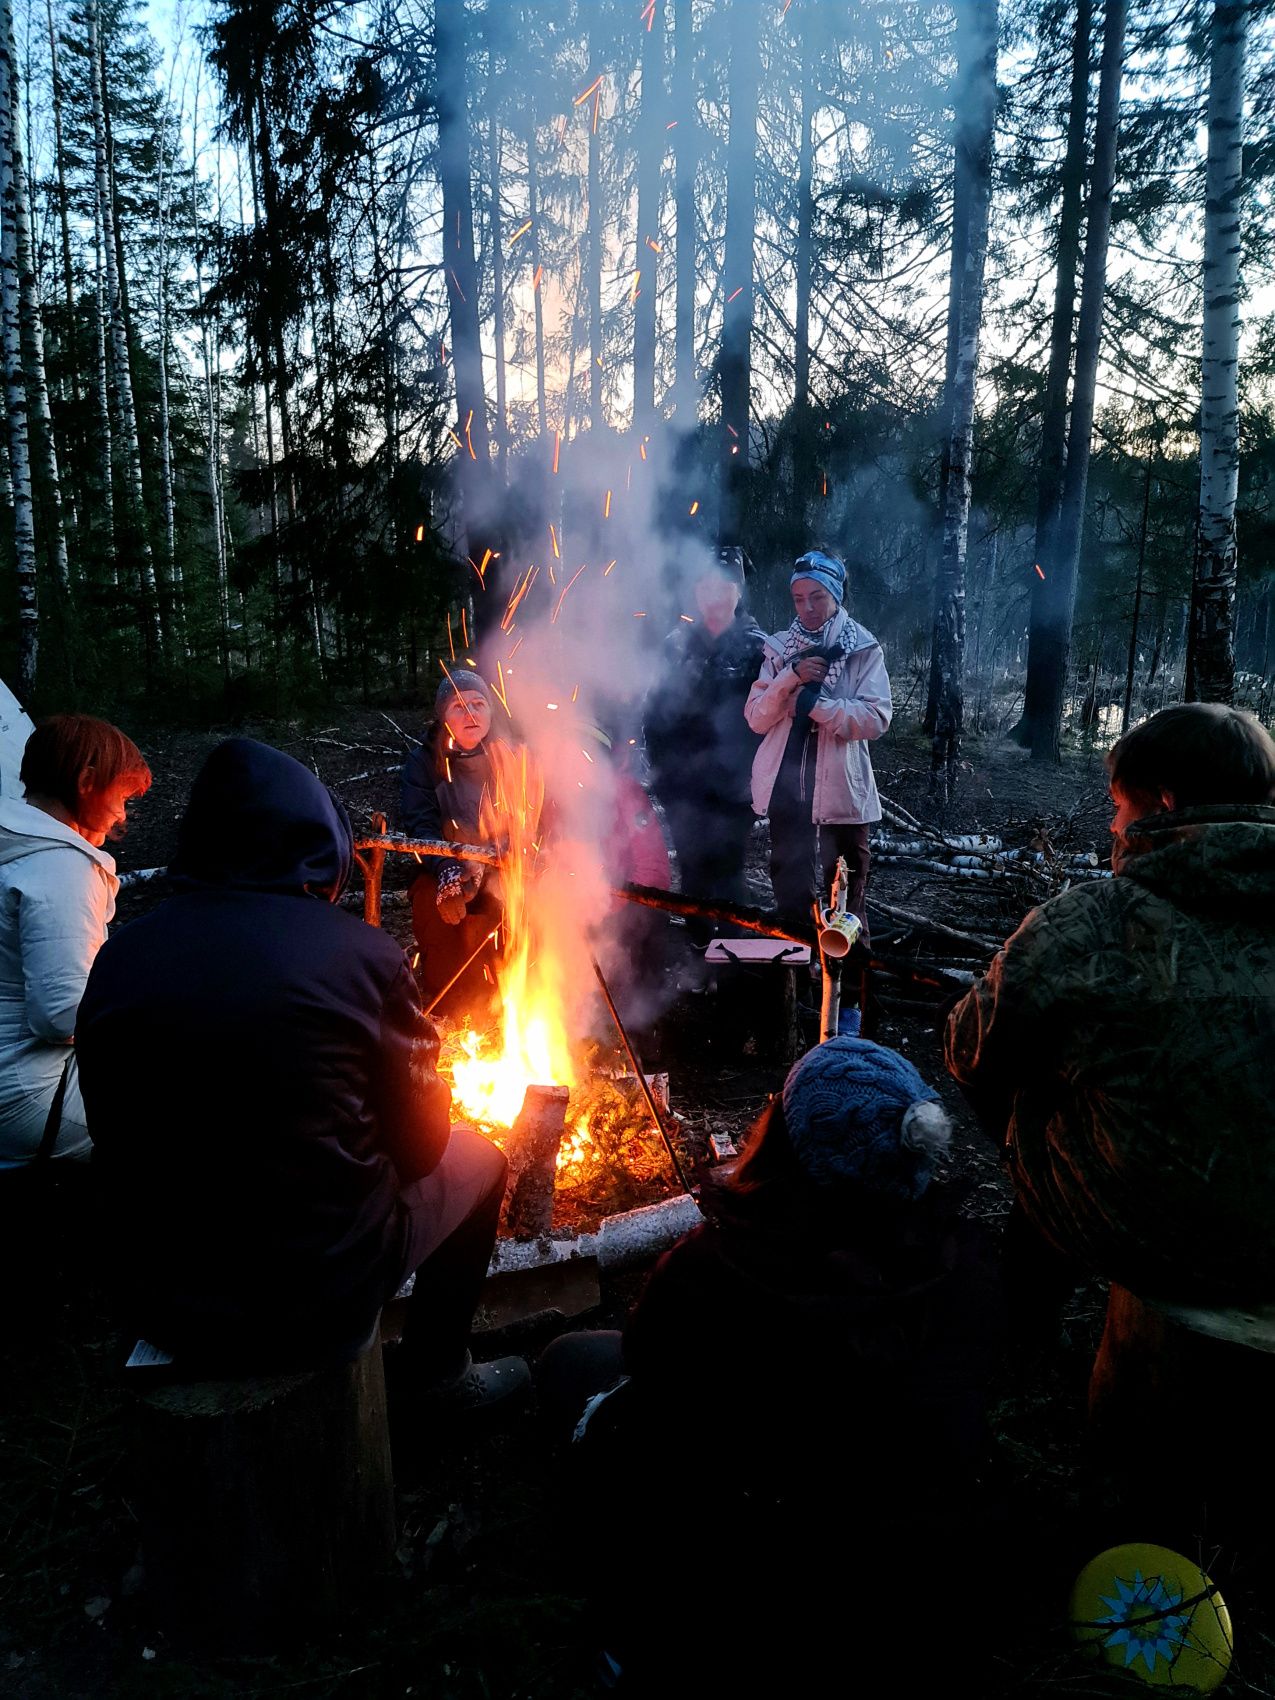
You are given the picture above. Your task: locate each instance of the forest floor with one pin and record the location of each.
(482, 1603)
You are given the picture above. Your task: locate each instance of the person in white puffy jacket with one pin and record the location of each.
(822, 696)
(57, 895)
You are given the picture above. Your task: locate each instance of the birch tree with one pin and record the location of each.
(975, 135)
(32, 323)
(1211, 674)
(14, 377)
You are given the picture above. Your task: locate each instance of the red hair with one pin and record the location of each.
(60, 749)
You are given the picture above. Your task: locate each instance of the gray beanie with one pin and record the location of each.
(461, 680)
(858, 1112)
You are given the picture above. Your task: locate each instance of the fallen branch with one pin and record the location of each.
(487, 854)
(939, 928)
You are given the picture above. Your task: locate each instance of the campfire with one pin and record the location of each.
(591, 1140)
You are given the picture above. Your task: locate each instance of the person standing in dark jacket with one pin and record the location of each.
(271, 1135)
(698, 743)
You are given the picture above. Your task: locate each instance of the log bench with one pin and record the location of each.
(266, 1503)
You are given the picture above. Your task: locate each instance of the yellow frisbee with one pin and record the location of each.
(1155, 1614)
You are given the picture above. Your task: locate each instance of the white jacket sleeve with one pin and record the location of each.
(773, 695)
(868, 712)
(63, 909)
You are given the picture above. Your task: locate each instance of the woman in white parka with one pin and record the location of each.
(57, 894)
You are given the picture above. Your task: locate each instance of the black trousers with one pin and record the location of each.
(803, 859)
(454, 1215)
(711, 840)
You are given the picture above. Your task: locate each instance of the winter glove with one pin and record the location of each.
(450, 896)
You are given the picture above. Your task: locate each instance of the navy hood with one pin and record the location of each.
(260, 821)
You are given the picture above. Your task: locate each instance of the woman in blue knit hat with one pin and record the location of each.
(822, 1344)
(822, 696)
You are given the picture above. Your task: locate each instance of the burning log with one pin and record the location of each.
(488, 854)
(534, 1143)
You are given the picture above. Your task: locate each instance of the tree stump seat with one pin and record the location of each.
(266, 1503)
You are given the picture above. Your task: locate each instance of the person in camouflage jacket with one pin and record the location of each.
(1122, 1040)
(1124, 1034)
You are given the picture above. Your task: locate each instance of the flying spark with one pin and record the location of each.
(653, 245)
(450, 641)
(734, 293)
(606, 506)
(535, 282)
(557, 446)
(687, 618)
(521, 231)
(635, 291)
(694, 507)
(607, 569)
(1039, 574)
(566, 587)
(553, 538)
(594, 87)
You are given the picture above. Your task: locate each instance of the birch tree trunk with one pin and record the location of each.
(650, 176)
(102, 400)
(803, 453)
(1211, 675)
(593, 276)
(68, 274)
(17, 206)
(452, 88)
(125, 412)
(1059, 587)
(975, 137)
(737, 311)
(16, 416)
(685, 161)
(1038, 693)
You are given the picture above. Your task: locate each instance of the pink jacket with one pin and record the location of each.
(857, 710)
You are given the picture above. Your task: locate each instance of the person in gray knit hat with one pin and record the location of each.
(454, 786)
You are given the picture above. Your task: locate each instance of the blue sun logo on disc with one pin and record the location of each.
(1151, 1612)
(1147, 1627)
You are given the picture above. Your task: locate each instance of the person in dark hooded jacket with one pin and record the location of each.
(272, 1138)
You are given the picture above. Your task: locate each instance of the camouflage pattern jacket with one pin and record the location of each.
(1125, 1035)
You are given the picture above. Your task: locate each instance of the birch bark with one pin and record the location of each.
(16, 413)
(1212, 671)
(31, 323)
